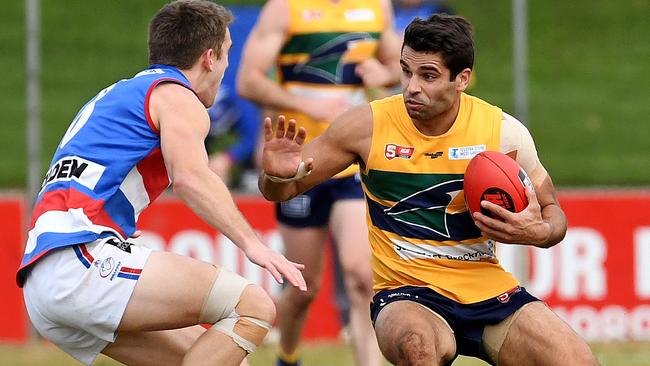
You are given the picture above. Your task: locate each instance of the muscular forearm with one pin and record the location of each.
(277, 192)
(260, 89)
(554, 217)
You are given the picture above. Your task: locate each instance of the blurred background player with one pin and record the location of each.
(86, 288)
(234, 130)
(329, 55)
(407, 10)
(440, 290)
(234, 121)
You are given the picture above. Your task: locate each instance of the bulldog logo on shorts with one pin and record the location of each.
(106, 267)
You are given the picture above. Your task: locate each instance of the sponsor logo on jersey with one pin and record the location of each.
(74, 168)
(359, 15)
(124, 246)
(461, 252)
(392, 151)
(434, 155)
(465, 152)
(310, 15)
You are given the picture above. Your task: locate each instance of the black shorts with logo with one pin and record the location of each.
(312, 208)
(466, 320)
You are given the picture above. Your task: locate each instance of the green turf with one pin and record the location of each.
(317, 354)
(588, 80)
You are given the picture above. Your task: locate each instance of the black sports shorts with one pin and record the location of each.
(467, 320)
(312, 208)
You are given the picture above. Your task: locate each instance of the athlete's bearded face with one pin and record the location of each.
(428, 92)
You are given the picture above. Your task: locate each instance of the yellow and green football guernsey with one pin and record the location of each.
(420, 231)
(325, 42)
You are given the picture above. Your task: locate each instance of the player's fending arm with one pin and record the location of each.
(346, 141)
(183, 125)
(542, 223)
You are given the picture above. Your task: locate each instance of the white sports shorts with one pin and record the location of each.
(76, 296)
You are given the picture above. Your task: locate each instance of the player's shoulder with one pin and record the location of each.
(479, 103)
(171, 98)
(392, 99)
(356, 116)
(173, 92)
(509, 122)
(388, 107)
(353, 124)
(275, 13)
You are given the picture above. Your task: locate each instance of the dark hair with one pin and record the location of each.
(450, 35)
(182, 30)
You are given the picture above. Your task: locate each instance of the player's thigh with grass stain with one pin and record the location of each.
(538, 336)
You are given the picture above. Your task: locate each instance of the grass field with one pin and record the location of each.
(317, 354)
(588, 77)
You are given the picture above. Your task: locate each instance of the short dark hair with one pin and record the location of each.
(182, 30)
(450, 35)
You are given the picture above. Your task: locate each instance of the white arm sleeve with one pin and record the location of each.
(516, 138)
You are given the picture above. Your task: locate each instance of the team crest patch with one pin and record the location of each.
(106, 267)
(465, 152)
(392, 151)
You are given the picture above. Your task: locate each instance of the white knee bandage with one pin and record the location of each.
(219, 309)
(227, 327)
(223, 297)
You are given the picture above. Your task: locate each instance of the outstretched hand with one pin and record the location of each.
(282, 152)
(525, 227)
(277, 265)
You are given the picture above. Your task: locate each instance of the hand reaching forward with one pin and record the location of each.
(277, 265)
(525, 227)
(373, 73)
(282, 152)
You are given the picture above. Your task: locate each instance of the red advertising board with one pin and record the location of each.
(13, 318)
(598, 278)
(170, 225)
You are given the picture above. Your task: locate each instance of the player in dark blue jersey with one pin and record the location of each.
(87, 289)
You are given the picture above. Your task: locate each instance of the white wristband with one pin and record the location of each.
(301, 173)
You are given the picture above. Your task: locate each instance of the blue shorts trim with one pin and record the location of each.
(312, 208)
(466, 320)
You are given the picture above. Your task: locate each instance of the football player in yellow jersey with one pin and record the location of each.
(439, 289)
(329, 55)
